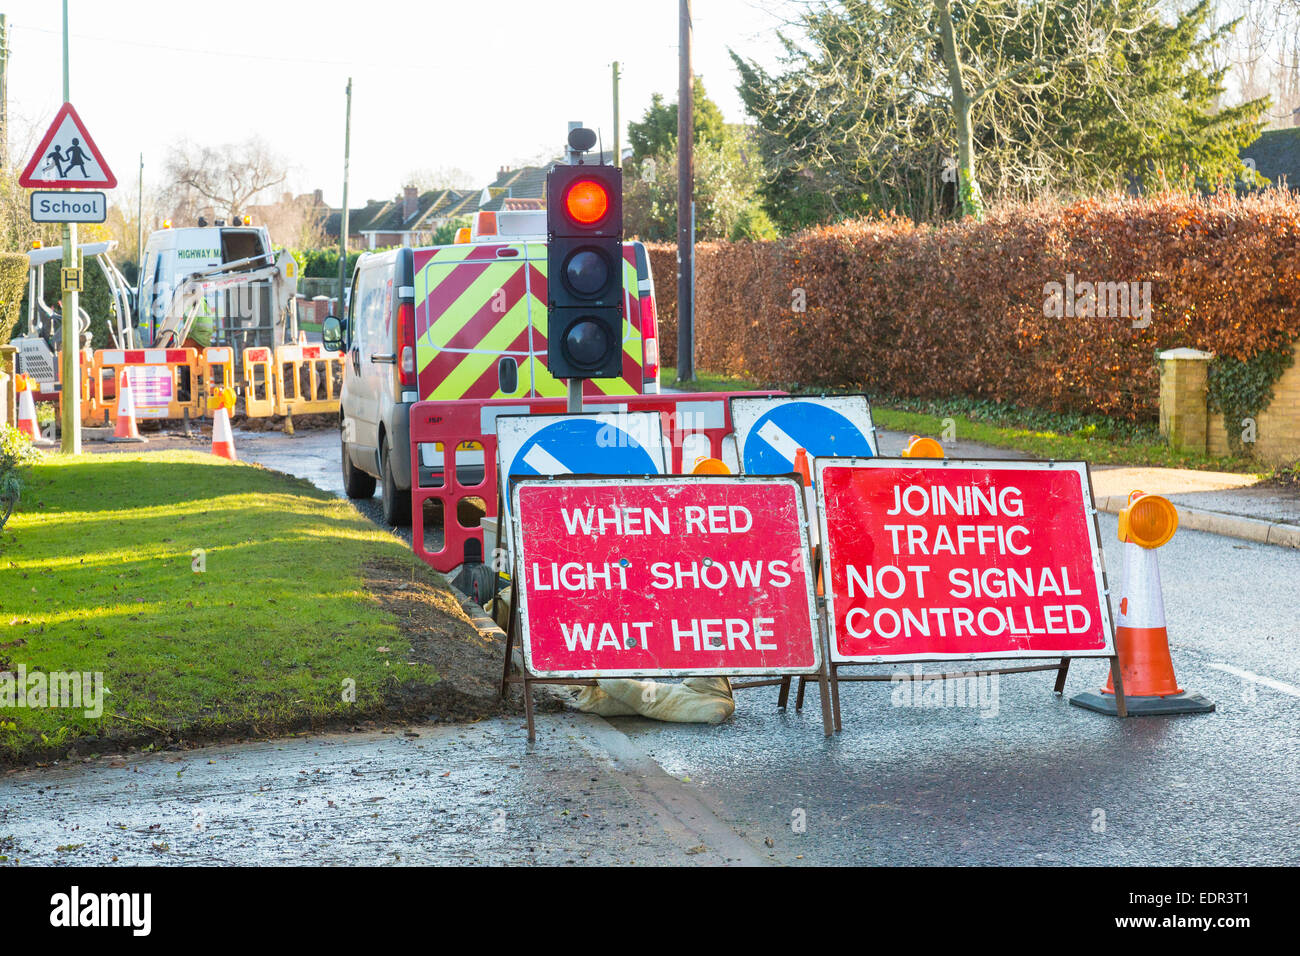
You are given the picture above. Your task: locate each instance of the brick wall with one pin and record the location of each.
(1277, 427)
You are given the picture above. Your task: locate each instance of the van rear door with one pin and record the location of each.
(472, 325)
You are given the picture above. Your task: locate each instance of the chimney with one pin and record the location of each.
(319, 196)
(410, 202)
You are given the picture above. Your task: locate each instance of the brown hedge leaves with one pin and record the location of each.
(894, 308)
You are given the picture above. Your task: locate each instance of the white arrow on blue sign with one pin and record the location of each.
(769, 431)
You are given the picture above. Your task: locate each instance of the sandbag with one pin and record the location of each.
(696, 700)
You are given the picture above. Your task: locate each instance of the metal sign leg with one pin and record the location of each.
(1061, 674)
(1121, 705)
(835, 696)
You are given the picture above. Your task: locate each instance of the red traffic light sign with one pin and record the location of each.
(67, 157)
(584, 254)
(586, 202)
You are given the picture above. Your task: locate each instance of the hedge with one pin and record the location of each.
(966, 308)
(13, 284)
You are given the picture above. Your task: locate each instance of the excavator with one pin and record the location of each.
(200, 286)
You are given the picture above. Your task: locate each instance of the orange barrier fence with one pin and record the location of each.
(308, 380)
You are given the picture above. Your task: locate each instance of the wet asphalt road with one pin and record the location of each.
(1040, 781)
(432, 794)
(1034, 781)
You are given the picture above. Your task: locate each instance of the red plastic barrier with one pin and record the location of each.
(452, 424)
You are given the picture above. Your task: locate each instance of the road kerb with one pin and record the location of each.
(1216, 522)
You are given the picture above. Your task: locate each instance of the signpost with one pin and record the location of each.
(67, 158)
(663, 576)
(941, 560)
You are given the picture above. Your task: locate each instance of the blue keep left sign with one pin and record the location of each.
(577, 446)
(769, 431)
(591, 443)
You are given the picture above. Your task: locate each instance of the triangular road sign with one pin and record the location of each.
(67, 158)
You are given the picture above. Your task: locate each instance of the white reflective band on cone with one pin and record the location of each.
(126, 401)
(1141, 603)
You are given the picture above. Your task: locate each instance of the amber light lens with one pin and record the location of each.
(1152, 521)
(919, 447)
(586, 202)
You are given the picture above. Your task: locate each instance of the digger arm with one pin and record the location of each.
(188, 297)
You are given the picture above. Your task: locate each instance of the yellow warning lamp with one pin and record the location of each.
(224, 398)
(248, 220)
(918, 447)
(37, 244)
(1149, 521)
(710, 466)
(167, 223)
(462, 234)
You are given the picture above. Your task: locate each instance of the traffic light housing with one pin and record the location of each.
(584, 260)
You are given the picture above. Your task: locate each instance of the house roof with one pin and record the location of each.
(357, 217)
(522, 188)
(526, 182)
(432, 208)
(1277, 156)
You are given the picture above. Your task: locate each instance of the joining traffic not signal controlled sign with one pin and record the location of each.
(584, 224)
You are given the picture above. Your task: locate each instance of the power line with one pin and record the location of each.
(168, 48)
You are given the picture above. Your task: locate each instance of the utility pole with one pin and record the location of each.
(139, 223)
(70, 392)
(618, 129)
(343, 219)
(4, 93)
(685, 196)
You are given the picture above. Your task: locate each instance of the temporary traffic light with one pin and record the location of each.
(584, 257)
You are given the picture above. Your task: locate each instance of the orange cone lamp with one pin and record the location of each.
(223, 439)
(1141, 637)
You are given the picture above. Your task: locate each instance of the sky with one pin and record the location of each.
(436, 84)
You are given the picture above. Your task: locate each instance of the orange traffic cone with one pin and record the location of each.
(801, 466)
(126, 429)
(223, 440)
(804, 470)
(27, 409)
(1141, 638)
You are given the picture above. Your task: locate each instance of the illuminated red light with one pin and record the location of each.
(586, 202)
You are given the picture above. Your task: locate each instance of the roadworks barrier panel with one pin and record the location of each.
(259, 382)
(454, 456)
(166, 383)
(308, 380)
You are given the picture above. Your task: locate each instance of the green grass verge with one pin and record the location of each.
(1092, 438)
(97, 574)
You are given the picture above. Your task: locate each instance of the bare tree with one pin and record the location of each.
(226, 178)
(295, 221)
(1262, 54)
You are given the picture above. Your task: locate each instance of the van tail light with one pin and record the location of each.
(406, 343)
(650, 338)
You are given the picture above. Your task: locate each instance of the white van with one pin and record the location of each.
(242, 317)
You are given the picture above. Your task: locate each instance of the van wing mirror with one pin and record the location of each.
(332, 332)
